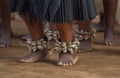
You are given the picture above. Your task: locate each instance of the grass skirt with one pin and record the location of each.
(57, 11)
(77, 10)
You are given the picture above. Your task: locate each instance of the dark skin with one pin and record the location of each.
(66, 59)
(108, 21)
(35, 29)
(5, 30)
(110, 7)
(52, 27)
(85, 45)
(36, 32)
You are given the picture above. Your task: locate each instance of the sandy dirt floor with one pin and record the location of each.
(102, 62)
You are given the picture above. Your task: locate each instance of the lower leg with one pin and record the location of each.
(66, 59)
(52, 27)
(36, 32)
(101, 25)
(110, 7)
(5, 39)
(85, 44)
(52, 35)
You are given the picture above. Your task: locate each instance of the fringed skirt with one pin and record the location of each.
(13, 4)
(57, 11)
(35, 8)
(74, 10)
(60, 11)
(20, 6)
(44, 9)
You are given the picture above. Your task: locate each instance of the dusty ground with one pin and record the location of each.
(102, 62)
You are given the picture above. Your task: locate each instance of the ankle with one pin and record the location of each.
(86, 35)
(68, 47)
(37, 45)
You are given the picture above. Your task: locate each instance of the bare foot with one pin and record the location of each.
(109, 39)
(37, 56)
(85, 45)
(5, 39)
(67, 59)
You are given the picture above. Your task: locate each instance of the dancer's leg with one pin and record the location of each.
(36, 32)
(66, 59)
(110, 7)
